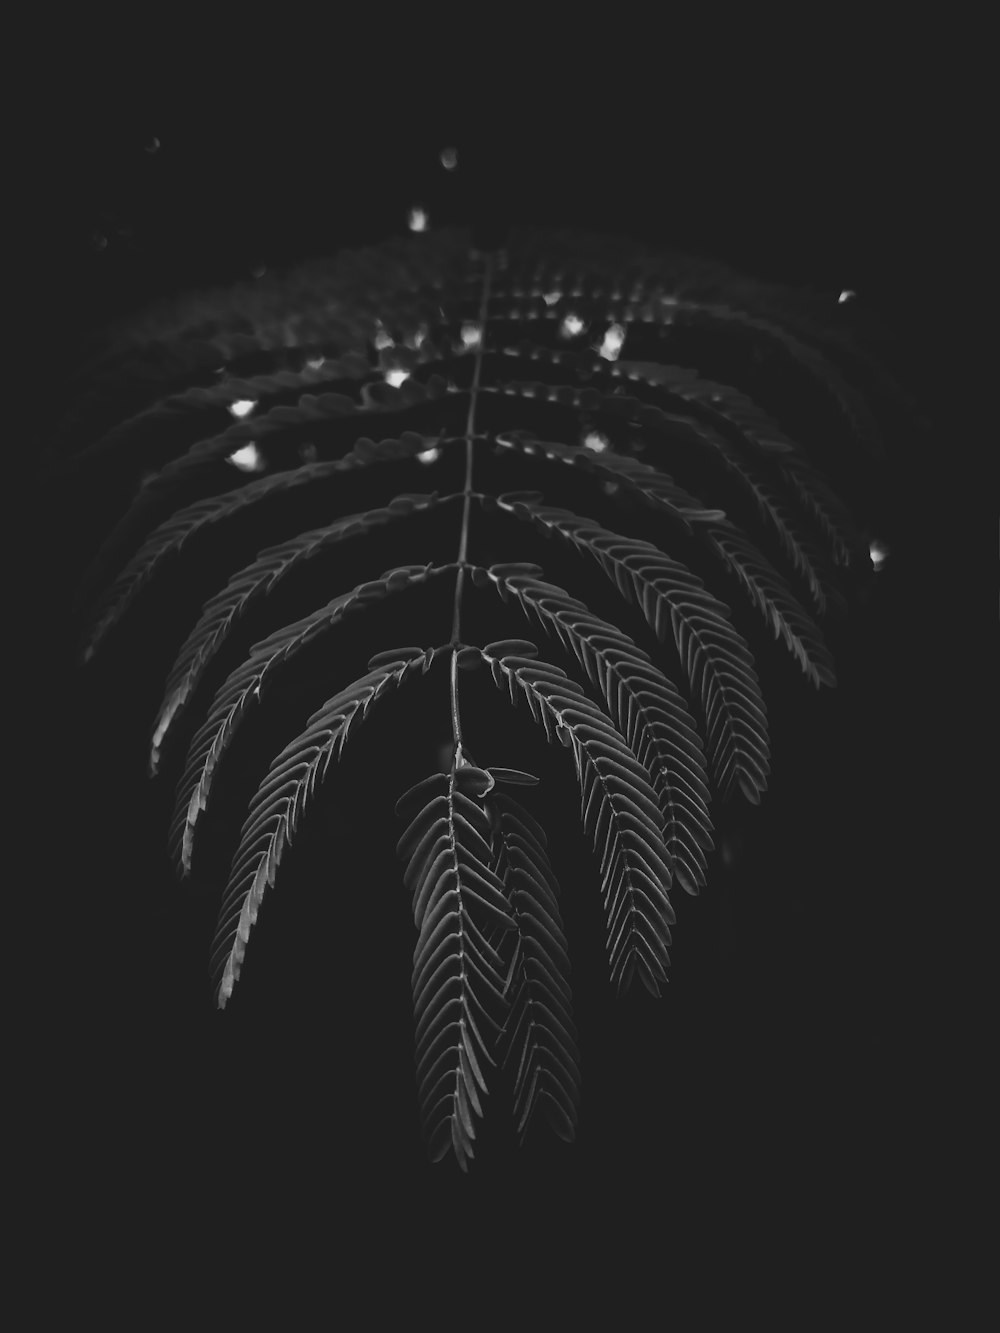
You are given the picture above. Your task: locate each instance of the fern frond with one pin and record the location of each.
(634, 283)
(668, 309)
(769, 504)
(244, 688)
(850, 547)
(861, 425)
(767, 588)
(652, 487)
(852, 344)
(281, 799)
(458, 987)
(336, 301)
(715, 656)
(728, 409)
(250, 585)
(775, 601)
(716, 400)
(187, 415)
(772, 507)
(416, 335)
(170, 537)
(618, 808)
(658, 295)
(645, 706)
(164, 490)
(540, 1035)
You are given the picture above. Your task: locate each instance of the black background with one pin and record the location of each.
(781, 1071)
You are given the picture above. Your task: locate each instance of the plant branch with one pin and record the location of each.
(463, 545)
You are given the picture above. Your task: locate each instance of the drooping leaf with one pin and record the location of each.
(243, 690)
(619, 812)
(255, 582)
(540, 1037)
(646, 708)
(715, 658)
(276, 809)
(458, 989)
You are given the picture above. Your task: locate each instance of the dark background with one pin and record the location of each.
(784, 1058)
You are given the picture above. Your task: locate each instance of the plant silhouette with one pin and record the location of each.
(682, 447)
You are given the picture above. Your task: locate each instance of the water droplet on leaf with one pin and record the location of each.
(611, 347)
(879, 553)
(247, 459)
(571, 326)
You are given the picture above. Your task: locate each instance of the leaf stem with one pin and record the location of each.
(463, 545)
